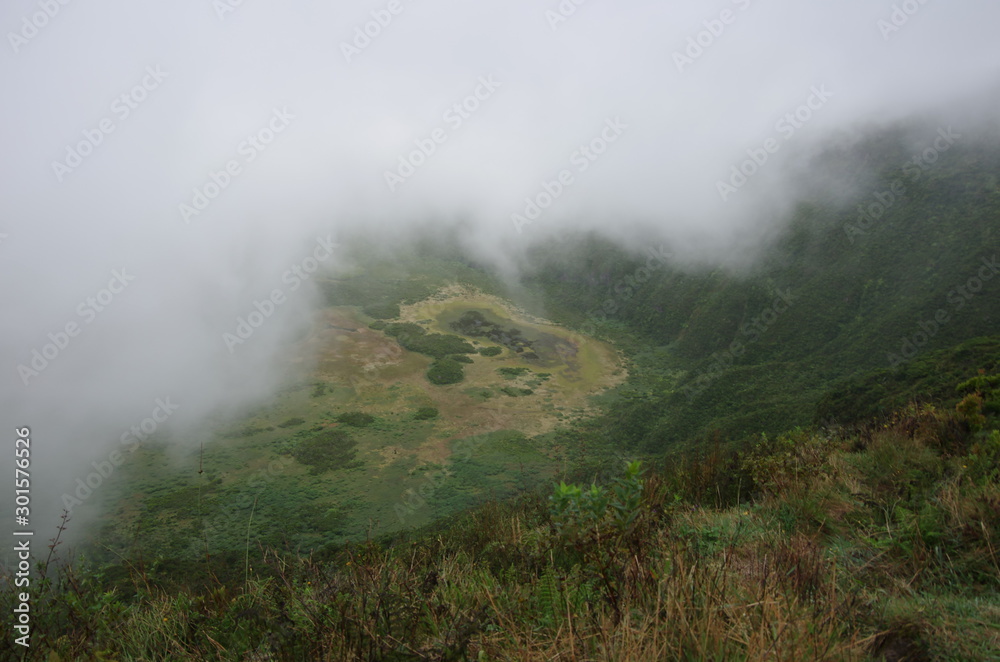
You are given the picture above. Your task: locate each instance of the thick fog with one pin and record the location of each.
(168, 167)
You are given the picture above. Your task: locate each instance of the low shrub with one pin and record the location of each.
(356, 419)
(445, 371)
(425, 413)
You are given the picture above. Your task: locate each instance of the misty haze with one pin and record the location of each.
(569, 329)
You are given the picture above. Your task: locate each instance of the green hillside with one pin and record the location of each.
(755, 352)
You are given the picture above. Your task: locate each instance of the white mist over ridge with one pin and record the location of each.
(206, 149)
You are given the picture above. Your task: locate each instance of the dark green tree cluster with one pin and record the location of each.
(445, 371)
(448, 350)
(472, 323)
(438, 345)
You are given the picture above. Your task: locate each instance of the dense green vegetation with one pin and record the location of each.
(512, 373)
(873, 544)
(436, 345)
(930, 377)
(474, 324)
(824, 304)
(445, 371)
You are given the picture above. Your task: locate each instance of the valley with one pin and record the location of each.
(360, 441)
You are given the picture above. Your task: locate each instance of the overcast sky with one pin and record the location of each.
(171, 162)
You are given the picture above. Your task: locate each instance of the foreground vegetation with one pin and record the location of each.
(879, 542)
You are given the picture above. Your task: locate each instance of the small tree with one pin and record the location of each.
(445, 371)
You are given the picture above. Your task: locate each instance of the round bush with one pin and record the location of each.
(425, 413)
(356, 418)
(445, 371)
